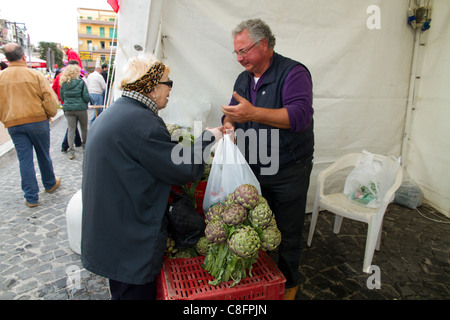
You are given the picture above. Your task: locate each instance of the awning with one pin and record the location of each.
(35, 62)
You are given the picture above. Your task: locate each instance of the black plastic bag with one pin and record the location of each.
(409, 195)
(186, 225)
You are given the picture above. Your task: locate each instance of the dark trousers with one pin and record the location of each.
(124, 291)
(65, 143)
(286, 193)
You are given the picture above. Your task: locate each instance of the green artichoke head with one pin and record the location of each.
(246, 195)
(234, 214)
(244, 242)
(215, 231)
(202, 246)
(270, 238)
(260, 216)
(214, 213)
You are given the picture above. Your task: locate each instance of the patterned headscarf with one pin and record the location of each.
(148, 81)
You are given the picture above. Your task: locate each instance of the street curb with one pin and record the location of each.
(7, 150)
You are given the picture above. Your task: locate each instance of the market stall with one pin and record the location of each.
(36, 63)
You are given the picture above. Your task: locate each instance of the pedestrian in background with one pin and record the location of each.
(97, 86)
(75, 96)
(105, 71)
(27, 102)
(57, 87)
(72, 55)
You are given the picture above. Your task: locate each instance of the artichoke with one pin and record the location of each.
(170, 246)
(260, 216)
(214, 213)
(270, 238)
(246, 195)
(215, 231)
(229, 199)
(185, 254)
(202, 246)
(262, 200)
(234, 214)
(173, 128)
(244, 242)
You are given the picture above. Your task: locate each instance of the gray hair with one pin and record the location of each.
(257, 30)
(15, 53)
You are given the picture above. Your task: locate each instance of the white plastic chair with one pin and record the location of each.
(343, 207)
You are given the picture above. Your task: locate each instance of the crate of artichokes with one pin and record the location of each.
(235, 232)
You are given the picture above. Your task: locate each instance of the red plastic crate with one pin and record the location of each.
(185, 279)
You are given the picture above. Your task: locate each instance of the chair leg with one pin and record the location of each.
(373, 233)
(337, 223)
(312, 226)
(377, 247)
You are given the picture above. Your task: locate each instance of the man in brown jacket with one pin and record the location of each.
(27, 102)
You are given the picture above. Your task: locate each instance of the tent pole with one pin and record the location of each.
(411, 97)
(108, 88)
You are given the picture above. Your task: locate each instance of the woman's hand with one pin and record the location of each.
(217, 132)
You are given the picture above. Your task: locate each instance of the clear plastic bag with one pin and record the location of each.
(229, 170)
(369, 181)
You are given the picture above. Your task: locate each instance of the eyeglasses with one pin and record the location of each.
(167, 83)
(244, 53)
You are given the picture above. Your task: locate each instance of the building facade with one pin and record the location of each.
(96, 36)
(13, 32)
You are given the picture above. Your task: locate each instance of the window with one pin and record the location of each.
(88, 29)
(102, 44)
(102, 32)
(111, 33)
(102, 57)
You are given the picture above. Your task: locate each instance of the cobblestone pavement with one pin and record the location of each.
(36, 261)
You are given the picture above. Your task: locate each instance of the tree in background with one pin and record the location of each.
(55, 54)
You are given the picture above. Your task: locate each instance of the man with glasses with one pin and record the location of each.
(273, 97)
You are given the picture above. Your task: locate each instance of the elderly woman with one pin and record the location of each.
(127, 176)
(75, 96)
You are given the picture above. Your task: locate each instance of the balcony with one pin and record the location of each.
(95, 36)
(96, 22)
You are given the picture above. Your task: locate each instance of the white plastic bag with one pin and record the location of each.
(229, 170)
(369, 181)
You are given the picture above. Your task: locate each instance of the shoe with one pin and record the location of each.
(290, 293)
(71, 154)
(56, 186)
(63, 150)
(31, 205)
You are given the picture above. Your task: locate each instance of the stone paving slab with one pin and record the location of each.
(36, 262)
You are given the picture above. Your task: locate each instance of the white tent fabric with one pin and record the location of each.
(359, 53)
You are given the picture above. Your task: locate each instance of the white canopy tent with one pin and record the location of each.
(379, 85)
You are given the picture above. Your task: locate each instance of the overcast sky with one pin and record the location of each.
(49, 20)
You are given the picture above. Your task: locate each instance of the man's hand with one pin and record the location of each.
(243, 112)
